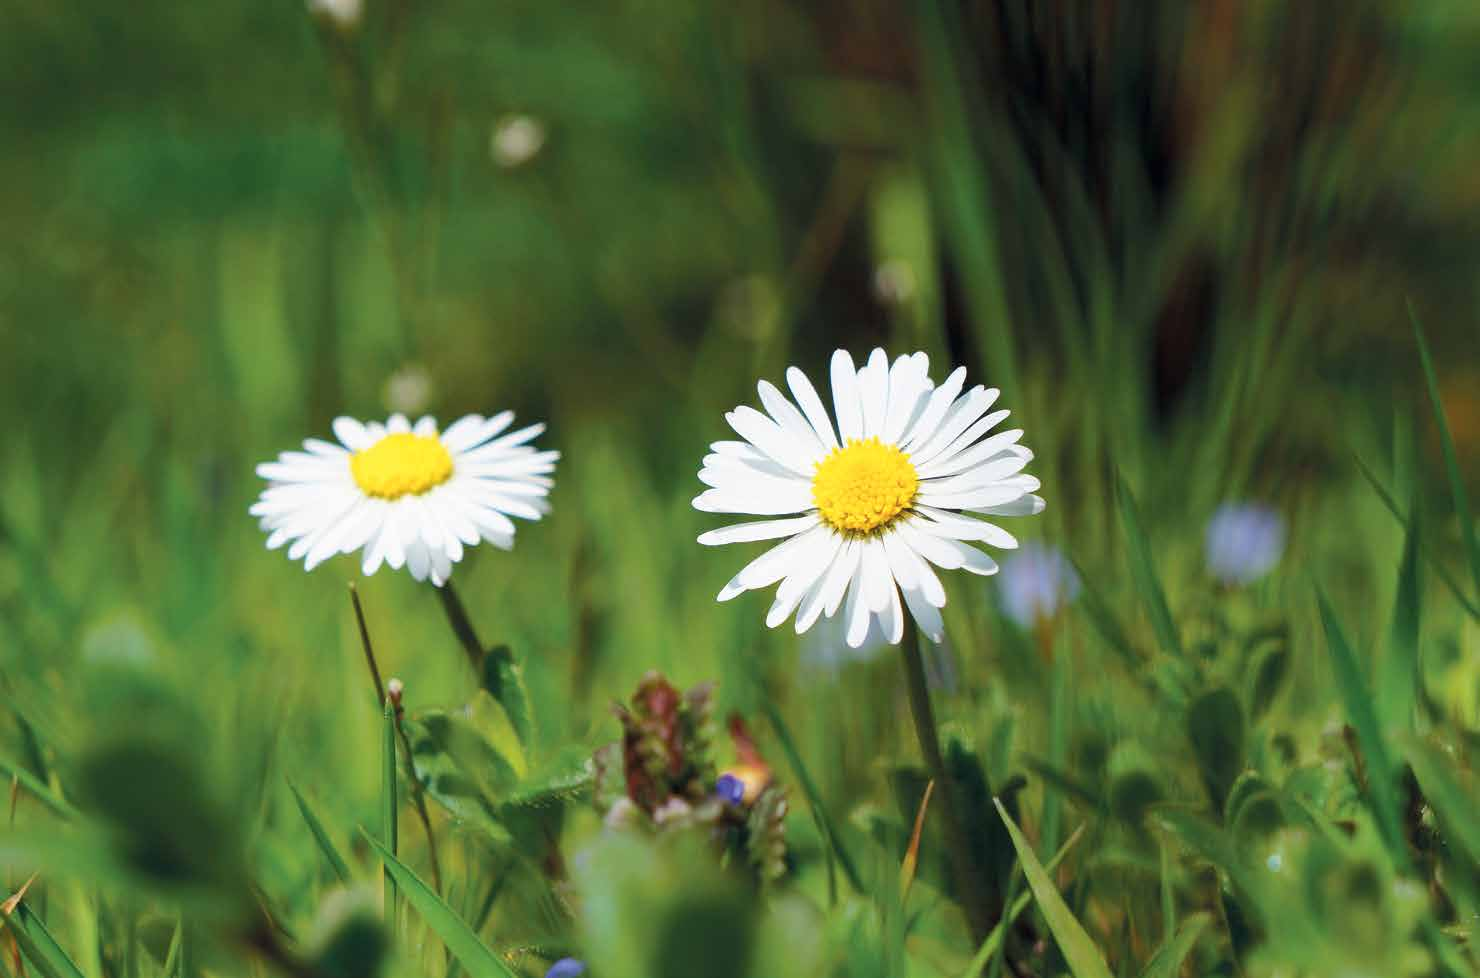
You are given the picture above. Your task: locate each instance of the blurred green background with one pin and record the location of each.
(1184, 239)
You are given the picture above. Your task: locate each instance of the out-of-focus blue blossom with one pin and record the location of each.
(730, 789)
(1244, 542)
(1035, 582)
(566, 968)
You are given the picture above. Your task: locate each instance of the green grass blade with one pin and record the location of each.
(1100, 615)
(1143, 570)
(1079, 950)
(1015, 909)
(1362, 713)
(1451, 459)
(475, 957)
(1167, 961)
(389, 808)
(1392, 506)
(37, 944)
(41, 792)
(814, 798)
(1398, 676)
(1455, 805)
(321, 835)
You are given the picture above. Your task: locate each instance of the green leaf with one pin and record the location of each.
(321, 835)
(1216, 727)
(1451, 459)
(1079, 950)
(461, 941)
(504, 680)
(1363, 715)
(1167, 961)
(814, 798)
(989, 946)
(38, 945)
(1143, 570)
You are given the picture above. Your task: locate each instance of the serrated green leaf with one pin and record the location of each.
(1167, 961)
(461, 941)
(503, 678)
(321, 835)
(1079, 950)
(1143, 570)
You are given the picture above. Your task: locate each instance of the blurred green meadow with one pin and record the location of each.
(1211, 253)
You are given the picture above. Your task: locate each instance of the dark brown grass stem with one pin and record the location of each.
(418, 797)
(981, 915)
(462, 626)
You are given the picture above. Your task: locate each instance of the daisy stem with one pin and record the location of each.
(418, 797)
(462, 625)
(980, 913)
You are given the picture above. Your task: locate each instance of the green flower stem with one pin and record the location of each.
(418, 796)
(980, 914)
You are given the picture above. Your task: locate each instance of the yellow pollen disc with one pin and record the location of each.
(401, 465)
(864, 485)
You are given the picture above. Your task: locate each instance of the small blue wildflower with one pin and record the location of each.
(730, 789)
(1035, 583)
(1244, 542)
(566, 968)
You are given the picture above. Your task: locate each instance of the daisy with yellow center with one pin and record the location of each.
(868, 509)
(407, 495)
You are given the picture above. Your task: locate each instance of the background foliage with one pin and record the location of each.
(1188, 241)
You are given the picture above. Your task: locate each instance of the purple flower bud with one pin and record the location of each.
(1244, 542)
(730, 789)
(566, 968)
(1035, 583)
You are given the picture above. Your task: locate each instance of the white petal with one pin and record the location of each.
(806, 395)
(771, 438)
(965, 439)
(810, 565)
(473, 430)
(877, 580)
(418, 559)
(993, 495)
(993, 473)
(846, 405)
(856, 613)
(926, 616)
(843, 570)
(764, 530)
(1025, 505)
(893, 617)
(963, 413)
(949, 463)
(752, 502)
(425, 426)
(873, 390)
(940, 402)
(907, 387)
(957, 527)
(351, 434)
(398, 425)
(770, 566)
(785, 414)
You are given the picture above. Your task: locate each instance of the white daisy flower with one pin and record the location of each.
(408, 495)
(867, 507)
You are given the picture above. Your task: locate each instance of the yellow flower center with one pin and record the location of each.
(864, 485)
(401, 465)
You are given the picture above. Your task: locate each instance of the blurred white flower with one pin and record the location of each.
(894, 281)
(872, 504)
(408, 390)
(120, 639)
(1244, 542)
(344, 14)
(516, 139)
(1036, 583)
(408, 495)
